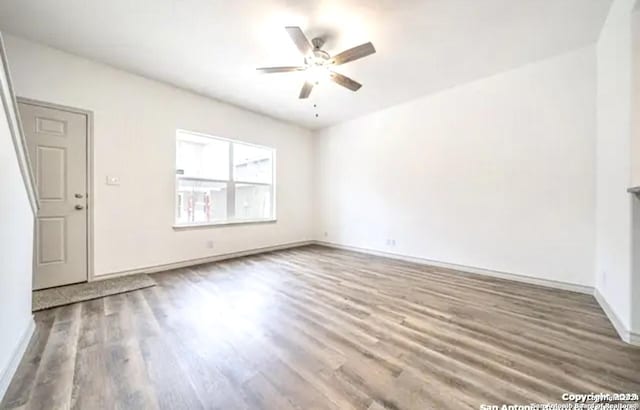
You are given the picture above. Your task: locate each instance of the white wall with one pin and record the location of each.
(496, 174)
(16, 236)
(635, 177)
(614, 204)
(135, 120)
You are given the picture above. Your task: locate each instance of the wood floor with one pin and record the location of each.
(317, 328)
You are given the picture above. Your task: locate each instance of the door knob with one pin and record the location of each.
(79, 207)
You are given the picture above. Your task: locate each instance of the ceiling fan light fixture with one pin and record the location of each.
(317, 62)
(317, 73)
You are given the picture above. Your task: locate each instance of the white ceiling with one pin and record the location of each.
(213, 47)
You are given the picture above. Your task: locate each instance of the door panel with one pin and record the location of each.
(51, 165)
(57, 144)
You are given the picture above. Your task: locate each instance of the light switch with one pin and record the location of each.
(113, 180)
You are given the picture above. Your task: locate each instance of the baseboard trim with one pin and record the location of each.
(624, 333)
(7, 374)
(469, 269)
(199, 261)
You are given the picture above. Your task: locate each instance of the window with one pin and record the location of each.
(222, 181)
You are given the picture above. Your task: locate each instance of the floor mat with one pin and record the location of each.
(65, 295)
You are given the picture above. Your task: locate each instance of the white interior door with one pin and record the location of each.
(57, 144)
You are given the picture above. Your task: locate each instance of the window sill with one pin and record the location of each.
(223, 223)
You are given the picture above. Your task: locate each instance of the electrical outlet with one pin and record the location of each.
(391, 242)
(603, 278)
(210, 244)
(326, 234)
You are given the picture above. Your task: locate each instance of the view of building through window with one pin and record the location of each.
(222, 180)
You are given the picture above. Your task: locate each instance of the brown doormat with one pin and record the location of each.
(65, 295)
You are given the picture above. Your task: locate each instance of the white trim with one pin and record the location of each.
(199, 261)
(217, 137)
(486, 272)
(624, 333)
(219, 181)
(8, 100)
(470, 269)
(224, 222)
(21, 348)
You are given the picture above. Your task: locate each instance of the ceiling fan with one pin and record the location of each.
(318, 63)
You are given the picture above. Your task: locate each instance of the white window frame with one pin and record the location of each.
(231, 185)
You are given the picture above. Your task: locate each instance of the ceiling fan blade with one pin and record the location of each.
(299, 39)
(306, 90)
(345, 81)
(354, 53)
(269, 70)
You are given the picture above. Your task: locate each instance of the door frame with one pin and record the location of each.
(90, 172)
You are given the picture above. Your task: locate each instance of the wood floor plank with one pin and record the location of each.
(264, 396)
(171, 386)
(54, 378)
(92, 386)
(132, 388)
(21, 386)
(319, 328)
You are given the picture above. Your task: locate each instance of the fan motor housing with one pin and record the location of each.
(319, 56)
(317, 42)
